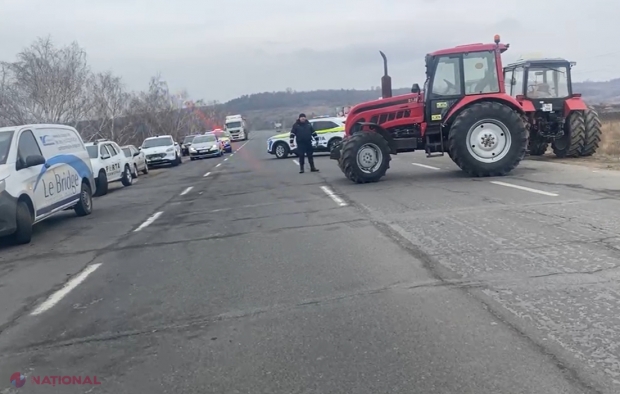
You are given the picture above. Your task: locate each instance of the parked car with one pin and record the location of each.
(187, 142)
(137, 158)
(225, 138)
(109, 165)
(44, 169)
(161, 149)
(205, 146)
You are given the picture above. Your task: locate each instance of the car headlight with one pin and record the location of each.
(170, 149)
(192, 149)
(215, 146)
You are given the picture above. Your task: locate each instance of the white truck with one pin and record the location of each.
(236, 126)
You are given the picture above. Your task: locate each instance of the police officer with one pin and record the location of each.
(303, 132)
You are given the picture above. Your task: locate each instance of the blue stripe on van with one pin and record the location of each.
(78, 165)
(58, 204)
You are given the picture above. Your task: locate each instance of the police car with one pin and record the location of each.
(329, 129)
(44, 169)
(109, 164)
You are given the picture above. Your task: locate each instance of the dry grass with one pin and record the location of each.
(610, 141)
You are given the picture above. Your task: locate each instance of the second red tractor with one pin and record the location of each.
(463, 111)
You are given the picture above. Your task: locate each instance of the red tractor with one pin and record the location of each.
(553, 112)
(464, 111)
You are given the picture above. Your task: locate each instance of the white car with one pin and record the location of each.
(44, 169)
(137, 158)
(161, 149)
(330, 130)
(109, 165)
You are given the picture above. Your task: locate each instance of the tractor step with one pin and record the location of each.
(434, 149)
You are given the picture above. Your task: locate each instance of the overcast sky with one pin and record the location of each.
(218, 50)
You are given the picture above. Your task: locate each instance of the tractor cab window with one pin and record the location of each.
(480, 72)
(517, 82)
(508, 81)
(547, 82)
(447, 79)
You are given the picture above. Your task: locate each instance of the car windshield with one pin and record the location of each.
(222, 134)
(5, 143)
(154, 142)
(127, 152)
(93, 151)
(233, 125)
(204, 138)
(547, 82)
(189, 139)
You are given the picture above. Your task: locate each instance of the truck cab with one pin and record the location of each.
(236, 126)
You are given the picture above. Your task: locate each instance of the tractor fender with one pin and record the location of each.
(527, 106)
(377, 129)
(574, 104)
(497, 97)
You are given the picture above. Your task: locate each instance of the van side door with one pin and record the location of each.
(42, 191)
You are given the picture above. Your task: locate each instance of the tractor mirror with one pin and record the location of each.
(415, 88)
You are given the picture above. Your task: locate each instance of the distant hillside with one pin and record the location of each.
(262, 109)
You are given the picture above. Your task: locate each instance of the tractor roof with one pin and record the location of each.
(478, 47)
(540, 61)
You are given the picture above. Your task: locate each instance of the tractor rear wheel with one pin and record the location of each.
(365, 157)
(488, 139)
(572, 142)
(593, 132)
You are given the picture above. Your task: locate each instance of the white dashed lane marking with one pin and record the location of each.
(425, 166)
(527, 189)
(333, 196)
(148, 221)
(184, 192)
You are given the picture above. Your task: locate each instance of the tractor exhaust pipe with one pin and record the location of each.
(386, 80)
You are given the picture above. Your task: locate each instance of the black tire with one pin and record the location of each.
(572, 142)
(348, 160)
(23, 220)
(127, 179)
(146, 169)
(192, 158)
(102, 184)
(593, 132)
(332, 142)
(136, 172)
(84, 207)
(537, 148)
(176, 161)
(281, 154)
(502, 120)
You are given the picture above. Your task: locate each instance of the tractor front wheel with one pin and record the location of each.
(488, 139)
(592, 132)
(365, 157)
(572, 142)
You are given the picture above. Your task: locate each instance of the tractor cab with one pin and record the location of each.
(546, 83)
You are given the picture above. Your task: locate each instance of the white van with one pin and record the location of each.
(44, 169)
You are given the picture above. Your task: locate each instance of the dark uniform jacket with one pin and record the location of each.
(304, 132)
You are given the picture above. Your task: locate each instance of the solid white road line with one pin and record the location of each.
(148, 221)
(60, 294)
(527, 189)
(425, 166)
(218, 164)
(296, 162)
(184, 192)
(333, 196)
(207, 174)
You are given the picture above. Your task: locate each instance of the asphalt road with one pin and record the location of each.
(239, 275)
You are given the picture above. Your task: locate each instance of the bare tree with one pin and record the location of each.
(46, 85)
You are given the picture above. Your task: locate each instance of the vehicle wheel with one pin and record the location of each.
(537, 147)
(176, 161)
(572, 142)
(192, 158)
(332, 142)
(146, 169)
(135, 171)
(84, 207)
(180, 160)
(102, 184)
(365, 157)
(282, 150)
(127, 179)
(488, 139)
(23, 220)
(592, 132)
